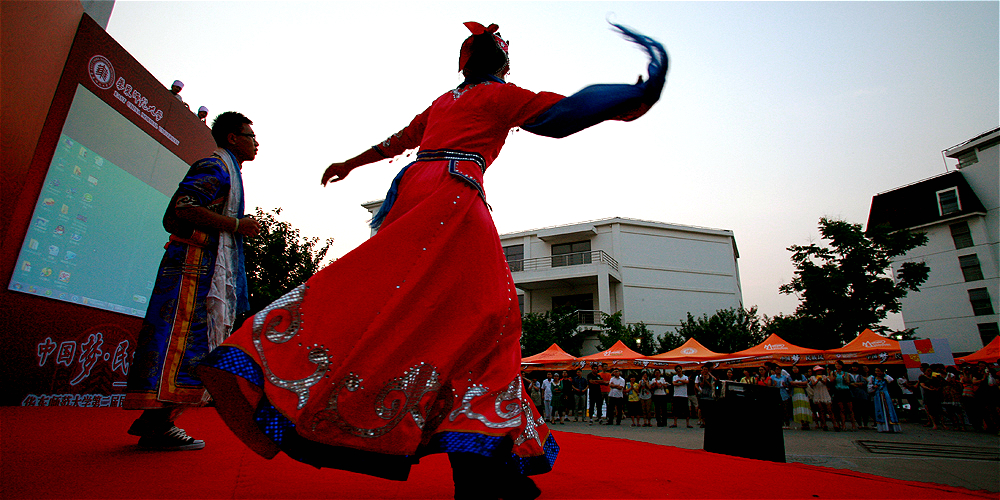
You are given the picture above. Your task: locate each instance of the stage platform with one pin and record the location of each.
(67, 452)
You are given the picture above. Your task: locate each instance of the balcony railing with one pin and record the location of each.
(588, 317)
(569, 259)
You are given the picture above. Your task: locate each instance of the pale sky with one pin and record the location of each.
(774, 113)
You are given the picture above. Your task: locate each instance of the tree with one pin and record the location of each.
(540, 330)
(803, 331)
(637, 336)
(669, 341)
(279, 259)
(726, 331)
(845, 286)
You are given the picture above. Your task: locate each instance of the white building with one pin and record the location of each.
(958, 211)
(652, 271)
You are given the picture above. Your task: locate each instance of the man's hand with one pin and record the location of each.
(335, 172)
(248, 227)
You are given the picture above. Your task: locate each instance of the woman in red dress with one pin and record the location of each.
(410, 344)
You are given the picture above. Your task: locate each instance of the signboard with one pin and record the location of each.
(114, 146)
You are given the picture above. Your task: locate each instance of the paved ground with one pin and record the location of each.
(966, 459)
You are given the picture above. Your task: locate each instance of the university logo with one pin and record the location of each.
(776, 347)
(102, 73)
(689, 350)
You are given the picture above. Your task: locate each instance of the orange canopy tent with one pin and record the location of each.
(689, 353)
(868, 347)
(618, 356)
(554, 354)
(553, 358)
(776, 350)
(990, 353)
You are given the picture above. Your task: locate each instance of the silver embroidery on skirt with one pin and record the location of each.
(287, 308)
(397, 399)
(509, 404)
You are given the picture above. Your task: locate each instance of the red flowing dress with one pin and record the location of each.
(409, 344)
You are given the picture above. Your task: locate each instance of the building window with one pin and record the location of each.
(970, 267)
(571, 254)
(520, 303)
(980, 299)
(988, 332)
(961, 234)
(515, 257)
(948, 202)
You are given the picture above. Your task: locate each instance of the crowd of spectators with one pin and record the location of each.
(839, 397)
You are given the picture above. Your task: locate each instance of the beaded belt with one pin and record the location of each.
(454, 159)
(450, 154)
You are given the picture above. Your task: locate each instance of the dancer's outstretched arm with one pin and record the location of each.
(338, 171)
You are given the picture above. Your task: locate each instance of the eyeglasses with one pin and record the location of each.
(252, 136)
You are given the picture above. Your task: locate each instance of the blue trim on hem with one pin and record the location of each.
(492, 447)
(233, 360)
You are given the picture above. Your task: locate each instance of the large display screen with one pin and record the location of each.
(96, 236)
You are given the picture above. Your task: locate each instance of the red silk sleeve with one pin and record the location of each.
(524, 105)
(408, 138)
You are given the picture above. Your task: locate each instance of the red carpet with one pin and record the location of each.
(65, 452)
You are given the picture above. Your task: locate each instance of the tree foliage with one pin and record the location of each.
(669, 341)
(279, 259)
(846, 287)
(803, 331)
(637, 336)
(540, 330)
(726, 331)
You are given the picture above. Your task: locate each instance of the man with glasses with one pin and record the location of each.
(199, 290)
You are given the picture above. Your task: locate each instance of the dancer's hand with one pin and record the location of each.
(335, 172)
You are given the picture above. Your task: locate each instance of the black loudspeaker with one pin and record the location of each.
(745, 421)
